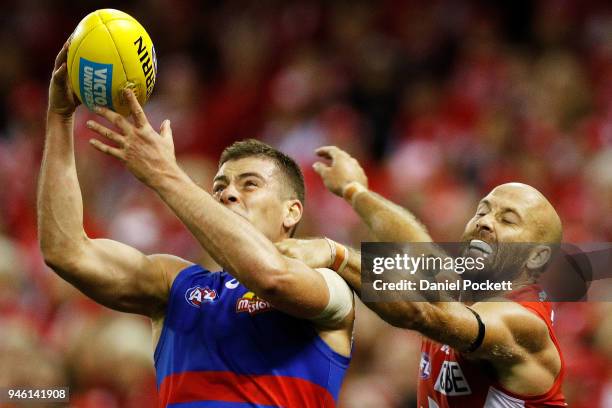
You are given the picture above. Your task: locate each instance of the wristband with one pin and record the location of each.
(341, 257)
(332, 251)
(352, 190)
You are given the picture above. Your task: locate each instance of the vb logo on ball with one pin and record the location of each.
(96, 83)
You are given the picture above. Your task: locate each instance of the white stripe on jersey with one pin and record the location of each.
(499, 399)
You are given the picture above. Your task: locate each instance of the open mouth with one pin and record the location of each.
(480, 246)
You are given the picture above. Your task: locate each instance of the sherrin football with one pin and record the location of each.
(110, 51)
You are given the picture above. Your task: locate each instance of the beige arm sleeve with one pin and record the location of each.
(341, 301)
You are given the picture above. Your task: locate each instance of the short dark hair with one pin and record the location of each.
(254, 148)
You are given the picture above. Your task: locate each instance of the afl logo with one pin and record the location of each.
(425, 366)
(196, 296)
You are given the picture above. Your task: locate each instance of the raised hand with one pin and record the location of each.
(147, 154)
(342, 170)
(62, 99)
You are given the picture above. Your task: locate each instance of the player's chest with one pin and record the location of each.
(444, 371)
(227, 309)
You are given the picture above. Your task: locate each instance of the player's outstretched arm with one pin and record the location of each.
(232, 241)
(510, 332)
(323, 253)
(509, 336)
(345, 178)
(109, 272)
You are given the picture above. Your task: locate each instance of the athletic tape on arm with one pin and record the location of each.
(340, 298)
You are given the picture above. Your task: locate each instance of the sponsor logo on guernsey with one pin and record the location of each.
(451, 380)
(251, 304)
(232, 284)
(95, 83)
(196, 296)
(425, 366)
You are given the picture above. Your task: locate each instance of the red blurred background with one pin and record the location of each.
(440, 100)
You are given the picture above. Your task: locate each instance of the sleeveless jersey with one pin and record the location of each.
(221, 346)
(449, 380)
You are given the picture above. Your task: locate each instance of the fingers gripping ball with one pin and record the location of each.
(109, 51)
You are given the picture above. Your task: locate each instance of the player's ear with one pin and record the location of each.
(293, 213)
(538, 257)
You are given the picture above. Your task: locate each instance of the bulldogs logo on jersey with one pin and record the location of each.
(196, 296)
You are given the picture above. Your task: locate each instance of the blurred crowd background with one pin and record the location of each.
(440, 100)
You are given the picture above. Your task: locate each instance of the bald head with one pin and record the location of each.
(543, 220)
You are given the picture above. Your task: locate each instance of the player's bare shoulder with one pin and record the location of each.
(165, 269)
(529, 330)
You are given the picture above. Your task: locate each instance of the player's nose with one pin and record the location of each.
(484, 227)
(229, 195)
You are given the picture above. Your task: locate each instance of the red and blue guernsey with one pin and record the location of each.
(221, 346)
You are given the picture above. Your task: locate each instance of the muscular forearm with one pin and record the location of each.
(60, 206)
(232, 241)
(400, 314)
(388, 221)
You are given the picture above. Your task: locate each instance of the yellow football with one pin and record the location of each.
(109, 51)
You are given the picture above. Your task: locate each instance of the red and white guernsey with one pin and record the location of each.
(449, 380)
